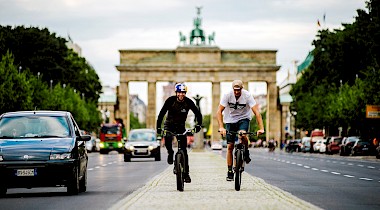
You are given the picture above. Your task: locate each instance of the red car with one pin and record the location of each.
(332, 144)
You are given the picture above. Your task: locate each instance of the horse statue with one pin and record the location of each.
(211, 38)
(182, 38)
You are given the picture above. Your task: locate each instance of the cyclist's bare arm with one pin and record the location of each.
(259, 119)
(219, 115)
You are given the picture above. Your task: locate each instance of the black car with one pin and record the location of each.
(293, 146)
(42, 149)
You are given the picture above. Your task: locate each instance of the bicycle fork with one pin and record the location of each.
(239, 165)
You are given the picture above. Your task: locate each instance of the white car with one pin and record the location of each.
(216, 145)
(318, 144)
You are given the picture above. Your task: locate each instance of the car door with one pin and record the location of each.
(81, 148)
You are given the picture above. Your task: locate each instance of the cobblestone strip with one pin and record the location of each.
(210, 190)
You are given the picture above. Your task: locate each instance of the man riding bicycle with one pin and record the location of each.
(178, 107)
(235, 110)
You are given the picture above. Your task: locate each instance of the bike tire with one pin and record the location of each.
(238, 171)
(179, 161)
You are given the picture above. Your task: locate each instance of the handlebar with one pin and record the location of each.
(241, 133)
(187, 132)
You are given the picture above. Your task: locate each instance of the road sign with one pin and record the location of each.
(373, 111)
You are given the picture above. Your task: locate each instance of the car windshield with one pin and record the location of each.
(142, 136)
(110, 129)
(33, 127)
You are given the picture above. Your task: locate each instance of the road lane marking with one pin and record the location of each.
(299, 164)
(342, 162)
(293, 163)
(366, 179)
(350, 164)
(97, 166)
(349, 176)
(315, 169)
(370, 167)
(361, 165)
(324, 170)
(306, 166)
(336, 173)
(90, 169)
(104, 165)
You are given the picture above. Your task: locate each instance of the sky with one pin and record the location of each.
(102, 28)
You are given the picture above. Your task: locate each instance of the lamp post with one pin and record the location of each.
(51, 85)
(294, 114)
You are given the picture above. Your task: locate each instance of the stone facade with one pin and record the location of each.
(199, 64)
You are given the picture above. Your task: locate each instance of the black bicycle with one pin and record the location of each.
(179, 160)
(239, 154)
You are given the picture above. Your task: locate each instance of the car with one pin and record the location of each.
(305, 144)
(42, 149)
(346, 145)
(319, 141)
(294, 145)
(142, 143)
(361, 147)
(332, 144)
(93, 145)
(216, 145)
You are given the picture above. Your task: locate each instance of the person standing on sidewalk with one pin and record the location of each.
(235, 111)
(177, 108)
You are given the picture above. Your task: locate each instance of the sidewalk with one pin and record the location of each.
(209, 190)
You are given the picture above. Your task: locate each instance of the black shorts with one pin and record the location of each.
(235, 127)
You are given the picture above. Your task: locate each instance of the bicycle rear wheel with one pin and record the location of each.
(180, 164)
(238, 171)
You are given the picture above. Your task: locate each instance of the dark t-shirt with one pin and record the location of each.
(177, 112)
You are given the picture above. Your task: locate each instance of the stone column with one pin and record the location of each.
(245, 84)
(215, 104)
(124, 104)
(273, 125)
(284, 114)
(151, 108)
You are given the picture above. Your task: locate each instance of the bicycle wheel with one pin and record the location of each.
(238, 171)
(179, 161)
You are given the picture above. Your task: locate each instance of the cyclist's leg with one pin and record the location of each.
(169, 147)
(230, 149)
(244, 126)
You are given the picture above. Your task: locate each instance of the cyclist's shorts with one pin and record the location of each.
(235, 127)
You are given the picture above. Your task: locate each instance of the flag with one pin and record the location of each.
(318, 23)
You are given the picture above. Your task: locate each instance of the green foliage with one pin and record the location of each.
(134, 122)
(343, 77)
(253, 126)
(31, 58)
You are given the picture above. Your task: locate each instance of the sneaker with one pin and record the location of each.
(170, 159)
(230, 176)
(187, 178)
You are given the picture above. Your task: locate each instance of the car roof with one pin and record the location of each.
(44, 112)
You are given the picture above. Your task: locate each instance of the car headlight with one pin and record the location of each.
(151, 147)
(101, 145)
(120, 144)
(1, 158)
(63, 156)
(130, 147)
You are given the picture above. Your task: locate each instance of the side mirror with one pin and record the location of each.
(84, 138)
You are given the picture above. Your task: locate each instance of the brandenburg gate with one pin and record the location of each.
(199, 62)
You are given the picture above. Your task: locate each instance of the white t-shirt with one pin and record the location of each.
(237, 110)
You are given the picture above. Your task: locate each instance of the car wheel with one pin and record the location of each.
(3, 191)
(73, 185)
(83, 182)
(127, 158)
(158, 157)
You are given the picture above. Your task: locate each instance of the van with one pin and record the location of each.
(314, 137)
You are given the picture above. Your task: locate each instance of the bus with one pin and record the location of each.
(111, 138)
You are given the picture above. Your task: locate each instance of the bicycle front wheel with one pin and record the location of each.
(238, 171)
(180, 164)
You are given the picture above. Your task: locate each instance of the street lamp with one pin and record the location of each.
(294, 113)
(51, 85)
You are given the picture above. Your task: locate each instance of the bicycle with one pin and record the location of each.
(179, 160)
(239, 155)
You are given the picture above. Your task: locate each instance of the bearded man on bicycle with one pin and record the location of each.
(177, 108)
(235, 110)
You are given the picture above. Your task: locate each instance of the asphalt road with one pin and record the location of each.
(327, 181)
(109, 180)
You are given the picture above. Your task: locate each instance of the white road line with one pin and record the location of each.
(328, 161)
(315, 169)
(336, 173)
(90, 169)
(367, 179)
(287, 161)
(104, 165)
(306, 166)
(299, 164)
(334, 161)
(325, 171)
(97, 166)
(349, 176)
(342, 162)
(361, 165)
(350, 164)
(293, 163)
(370, 167)
(110, 163)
